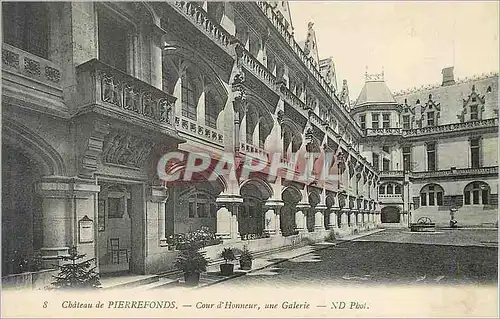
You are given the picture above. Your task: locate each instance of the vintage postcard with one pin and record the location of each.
(249, 159)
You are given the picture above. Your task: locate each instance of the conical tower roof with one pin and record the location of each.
(375, 91)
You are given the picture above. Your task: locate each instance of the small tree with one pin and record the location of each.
(77, 274)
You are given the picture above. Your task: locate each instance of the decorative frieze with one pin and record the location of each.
(201, 131)
(125, 149)
(10, 59)
(17, 60)
(31, 66)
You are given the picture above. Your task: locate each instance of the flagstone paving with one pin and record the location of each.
(388, 257)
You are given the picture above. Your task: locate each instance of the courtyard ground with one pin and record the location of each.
(388, 257)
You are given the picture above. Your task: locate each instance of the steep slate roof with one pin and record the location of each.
(375, 92)
(451, 97)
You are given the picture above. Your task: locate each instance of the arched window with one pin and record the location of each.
(188, 96)
(389, 189)
(477, 193)
(431, 195)
(212, 110)
(265, 127)
(397, 189)
(381, 189)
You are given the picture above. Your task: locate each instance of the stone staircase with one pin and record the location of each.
(175, 278)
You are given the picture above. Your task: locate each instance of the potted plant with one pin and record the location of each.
(192, 263)
(227, 268)
(246, 259)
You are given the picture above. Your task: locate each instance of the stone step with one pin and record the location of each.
(127, 281)
(161, 283)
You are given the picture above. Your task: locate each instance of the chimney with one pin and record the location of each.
(448, 78)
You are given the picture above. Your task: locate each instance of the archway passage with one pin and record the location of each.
(390, 214)
(251, 220)
(21, 212)
(291, 197)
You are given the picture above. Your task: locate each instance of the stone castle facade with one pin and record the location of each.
(93, 94)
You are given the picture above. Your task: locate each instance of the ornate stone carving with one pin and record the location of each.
(280, 116)
(110, 90)
(92, 145)
(125, 149)
(10, 59)
(31, 66)
(52, 74)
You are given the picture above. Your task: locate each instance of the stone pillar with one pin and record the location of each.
(344, 218)
(332, 219)
(301, 218)
(156, 57)
(227, 217)
(359, 219)
(272, 217)
(159, 196)
(319, 218)
(65, 201)
(352, 219)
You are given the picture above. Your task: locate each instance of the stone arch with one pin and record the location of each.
(291, 135)
(174, 49)
(220, 184)
(314, 197)
(477, 193)
(34, 146)
(265, 190)
(255, 192)
(390, 214)
(330, 199)
(291, 194)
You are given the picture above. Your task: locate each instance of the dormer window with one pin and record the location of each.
(474, 99)
(488, 90)
(430, 118)
(474, 114)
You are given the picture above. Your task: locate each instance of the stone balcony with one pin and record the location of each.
(390, 198)
(33, 80)
(391, 174)
(197, 130)
(453, 128)
(454, 173)
(200, 18)
(117, 95)
(389, 131)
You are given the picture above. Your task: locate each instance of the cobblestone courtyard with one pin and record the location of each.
(390, 257)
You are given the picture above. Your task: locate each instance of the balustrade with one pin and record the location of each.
(30, 65)
(122, 95)
(202, 131)
(201, 18)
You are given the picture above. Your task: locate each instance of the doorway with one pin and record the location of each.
(390, 214)
(115, 228)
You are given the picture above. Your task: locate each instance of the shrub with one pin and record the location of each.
(75, 274)
(246, 255)
(228, 255)
(191, 260)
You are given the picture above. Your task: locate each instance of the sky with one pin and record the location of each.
(411, 41)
